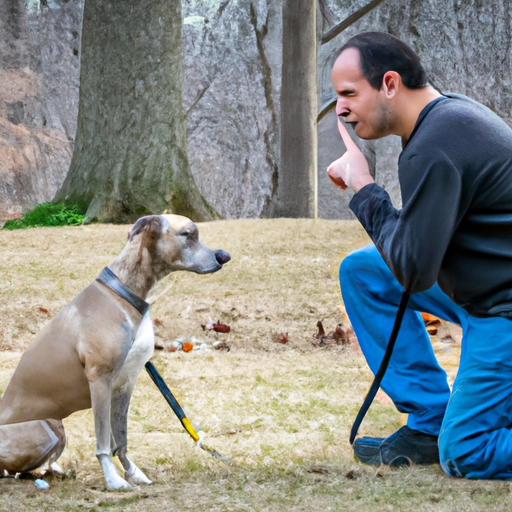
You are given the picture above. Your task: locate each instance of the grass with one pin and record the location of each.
(281, 413)
(47, 214)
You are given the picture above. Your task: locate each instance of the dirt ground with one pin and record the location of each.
(281, 412)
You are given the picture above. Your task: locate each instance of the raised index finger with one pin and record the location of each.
(347, 139)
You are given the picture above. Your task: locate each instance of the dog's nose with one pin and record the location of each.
(222, 256)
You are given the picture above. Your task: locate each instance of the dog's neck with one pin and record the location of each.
(138, 283)
(134, 270)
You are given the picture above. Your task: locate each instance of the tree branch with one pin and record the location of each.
(333, 32)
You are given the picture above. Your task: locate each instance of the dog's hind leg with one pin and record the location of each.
(101, 390)
(29, 445)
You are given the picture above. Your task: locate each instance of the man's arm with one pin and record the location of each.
(414, 240)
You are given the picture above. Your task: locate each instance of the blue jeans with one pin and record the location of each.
(474, 422)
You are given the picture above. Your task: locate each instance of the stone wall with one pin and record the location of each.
(232, 68)
(232, 65)
(39, 79)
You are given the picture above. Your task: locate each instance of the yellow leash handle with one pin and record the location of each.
(190, 429)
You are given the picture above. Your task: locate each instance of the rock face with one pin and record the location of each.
(232, 67)
(39, 74)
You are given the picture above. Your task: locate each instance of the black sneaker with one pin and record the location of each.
(403, 448)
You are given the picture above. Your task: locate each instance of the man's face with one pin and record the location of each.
(358, 102)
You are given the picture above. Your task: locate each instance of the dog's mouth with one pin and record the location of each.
(222, 257)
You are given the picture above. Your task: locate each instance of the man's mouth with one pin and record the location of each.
(343, 119)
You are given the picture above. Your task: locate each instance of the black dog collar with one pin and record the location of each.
(108, 278)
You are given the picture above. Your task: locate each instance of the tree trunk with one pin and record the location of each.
(296, 190)
(130, 155)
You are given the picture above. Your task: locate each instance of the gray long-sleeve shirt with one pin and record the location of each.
(455, 226)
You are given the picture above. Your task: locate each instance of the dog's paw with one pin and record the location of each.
(136, 477)
(116, 483)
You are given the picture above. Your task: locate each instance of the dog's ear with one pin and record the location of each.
(150, 228)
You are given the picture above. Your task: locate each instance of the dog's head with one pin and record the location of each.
(171, 242)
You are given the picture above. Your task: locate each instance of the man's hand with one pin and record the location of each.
(351, 170)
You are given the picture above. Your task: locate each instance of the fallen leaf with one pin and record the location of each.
(352, 474)
(321, 331)
(341, 336)
(221, 346)
(318, 469)
(157, 322)
(221, 327)
(280, 338)
(427, 317)
(217, 327)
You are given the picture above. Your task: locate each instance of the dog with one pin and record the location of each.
(90, 354)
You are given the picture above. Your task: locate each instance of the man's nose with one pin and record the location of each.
(341, 108)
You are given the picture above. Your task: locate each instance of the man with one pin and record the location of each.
(450, 247)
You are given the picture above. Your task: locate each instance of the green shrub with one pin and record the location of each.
(48, 214)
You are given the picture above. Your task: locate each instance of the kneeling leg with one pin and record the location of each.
(476, 433)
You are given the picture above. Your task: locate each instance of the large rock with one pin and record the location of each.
(39, 75)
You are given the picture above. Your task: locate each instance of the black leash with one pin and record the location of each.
(169, 397)
(176, 407)
(382, 368)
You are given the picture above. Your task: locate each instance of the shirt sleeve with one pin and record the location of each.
(413, 240)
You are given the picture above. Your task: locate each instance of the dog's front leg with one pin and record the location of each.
(120, 404)
(101, 390)
(139, 354)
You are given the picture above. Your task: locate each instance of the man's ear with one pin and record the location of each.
(391, 83)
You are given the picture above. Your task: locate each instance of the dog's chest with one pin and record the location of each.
(142, 346)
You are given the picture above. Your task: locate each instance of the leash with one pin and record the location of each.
(382, 368)
(109, 279)
(176, 407)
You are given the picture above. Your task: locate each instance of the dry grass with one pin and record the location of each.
(282, 413)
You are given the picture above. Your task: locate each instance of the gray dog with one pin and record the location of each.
(90, 354)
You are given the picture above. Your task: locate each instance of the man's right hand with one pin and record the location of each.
(351, 170)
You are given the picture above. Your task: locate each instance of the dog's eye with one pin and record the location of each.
(185, 232)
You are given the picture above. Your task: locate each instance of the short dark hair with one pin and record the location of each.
(381, 52)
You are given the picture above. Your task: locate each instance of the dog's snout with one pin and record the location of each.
(222, 256)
